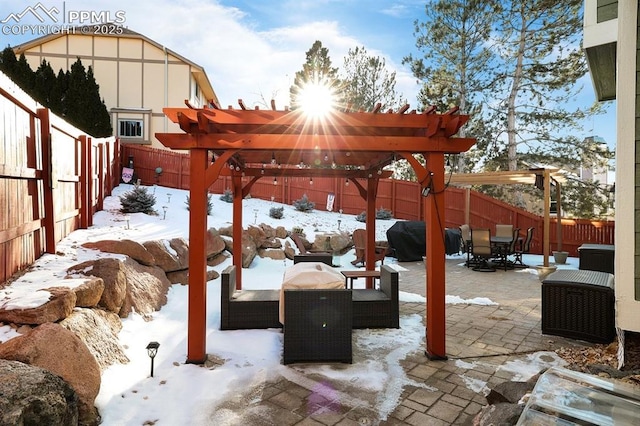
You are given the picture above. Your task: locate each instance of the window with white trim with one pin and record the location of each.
(130, 128)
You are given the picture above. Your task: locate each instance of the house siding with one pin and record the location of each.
(637, 165)
(137, 77)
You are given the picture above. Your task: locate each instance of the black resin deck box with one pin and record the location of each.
(579, 304)
(597, 257)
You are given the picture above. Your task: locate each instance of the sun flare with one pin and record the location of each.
(316, 99)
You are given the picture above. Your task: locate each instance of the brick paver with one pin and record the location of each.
(479, 339)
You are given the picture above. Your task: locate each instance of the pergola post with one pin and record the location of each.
(369, 253)
(196, 322)
(435, 257)
(237, 228)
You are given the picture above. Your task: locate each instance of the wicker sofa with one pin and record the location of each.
(247, 309)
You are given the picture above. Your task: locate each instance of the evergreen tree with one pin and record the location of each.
(9, 63)
(455, 67)
(367, 82)
(98, 121)
(58, 93)
(44, 82)
(316, 70)
(541, 61)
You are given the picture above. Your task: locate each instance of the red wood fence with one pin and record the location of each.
(52, 179)
(402, 198)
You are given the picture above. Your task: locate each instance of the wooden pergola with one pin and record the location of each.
(541, 177)
(255, 144)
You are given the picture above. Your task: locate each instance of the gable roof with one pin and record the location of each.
(198, 71)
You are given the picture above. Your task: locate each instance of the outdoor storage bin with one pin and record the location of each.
(597, 257)
(579, 304)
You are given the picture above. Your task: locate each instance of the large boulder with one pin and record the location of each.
(147, 288)
(214, 244)
(249, 250)
(61, 302)
(181, 247)
(34, 396)
(89, 293)
(98, 329)
(165, 260)
(182, 277)
(60, 351)
(129, 248)
(113, 276)
(289, 251)
(275, 254)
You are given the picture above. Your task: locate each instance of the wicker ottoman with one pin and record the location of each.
(579, 304)
(318, 325)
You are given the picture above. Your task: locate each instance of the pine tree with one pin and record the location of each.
(98, 121)
(367, 82)
(316, 70)
(45, 80)
(455, 66)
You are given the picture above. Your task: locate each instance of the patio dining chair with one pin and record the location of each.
(465, 240)
(506, 250)
(524, 248)
(481, 249)
(504, 230)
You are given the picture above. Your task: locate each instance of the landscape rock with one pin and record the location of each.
(165, 260)
(281, 232)
(502, 413)
(216, 260)
(509, 392)
(214, 244)
(60, 351)
(34, 396)
(129, 248)
(61, 302)
(275, 254)
(146, 289)
(249, 250)
(98, 329)
(89, 293)
(228, 244)
(113, 276)
(182, 277)
(289, 251)
(181, 248)
(257, 234)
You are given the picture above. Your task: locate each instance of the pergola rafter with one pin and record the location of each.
(351, 145)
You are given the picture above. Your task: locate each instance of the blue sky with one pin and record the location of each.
(251, 49)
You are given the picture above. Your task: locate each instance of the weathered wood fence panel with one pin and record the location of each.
(52, 179)
(403, 198)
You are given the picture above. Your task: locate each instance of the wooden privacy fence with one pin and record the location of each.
(53, 178)
(402, 198)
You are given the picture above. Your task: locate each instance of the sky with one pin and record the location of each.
(252, 49)
(251, 357)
